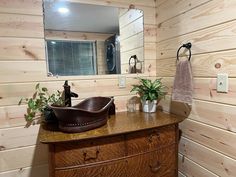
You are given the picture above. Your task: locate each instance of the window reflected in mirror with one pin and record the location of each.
(83, 39)
(68, 58)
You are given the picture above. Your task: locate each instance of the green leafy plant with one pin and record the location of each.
(149, 90)
(38, 103)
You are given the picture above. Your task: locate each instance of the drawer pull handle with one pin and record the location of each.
(88, 156)
(151, 136)
(155, 168)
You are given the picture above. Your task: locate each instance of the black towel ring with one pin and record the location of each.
(187, 46)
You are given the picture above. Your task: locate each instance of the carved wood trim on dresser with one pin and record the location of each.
(130, 145)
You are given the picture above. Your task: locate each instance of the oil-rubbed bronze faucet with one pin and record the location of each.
(68, 94)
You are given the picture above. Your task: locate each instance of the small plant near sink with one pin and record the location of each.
(150, 93)
(38, 104)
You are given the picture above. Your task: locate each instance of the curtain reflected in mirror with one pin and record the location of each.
(112, 52)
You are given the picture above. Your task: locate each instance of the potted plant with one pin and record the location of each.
(150, 93)
(38, 104)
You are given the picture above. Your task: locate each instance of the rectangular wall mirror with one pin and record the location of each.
(85, 39)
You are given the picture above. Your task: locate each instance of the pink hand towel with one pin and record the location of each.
(183, 83)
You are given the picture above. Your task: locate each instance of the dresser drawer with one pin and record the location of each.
(150, 140)
(160, 163)
(89, 151)
(114, 169)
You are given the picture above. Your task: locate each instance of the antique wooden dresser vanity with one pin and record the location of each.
(130, 145)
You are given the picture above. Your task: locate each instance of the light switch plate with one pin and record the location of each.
(122, 81)
(222, 83)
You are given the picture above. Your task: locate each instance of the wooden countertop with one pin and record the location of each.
(122, 122)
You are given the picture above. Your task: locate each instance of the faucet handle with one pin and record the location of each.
(72, 94)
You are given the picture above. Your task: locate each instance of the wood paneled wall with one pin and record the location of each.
(22, 65)
(131, 36)
(207, 146)
(75, 35)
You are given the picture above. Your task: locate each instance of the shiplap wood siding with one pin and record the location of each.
(207, 146)
(23, 65)
(75, 35)
(131, 36)
(101, 57)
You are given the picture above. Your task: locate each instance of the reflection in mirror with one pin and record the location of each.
(83, 39)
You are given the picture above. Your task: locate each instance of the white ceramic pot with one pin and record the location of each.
(149, 106)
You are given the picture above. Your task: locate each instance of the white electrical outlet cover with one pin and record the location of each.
(222, 83)
(122, 81)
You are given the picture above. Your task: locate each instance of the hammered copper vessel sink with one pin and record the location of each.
(88, 114)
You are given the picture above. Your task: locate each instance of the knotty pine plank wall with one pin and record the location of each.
(22, 65)
(208, 143)
(131, 36)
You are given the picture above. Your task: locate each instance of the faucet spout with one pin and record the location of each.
(68, 94)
